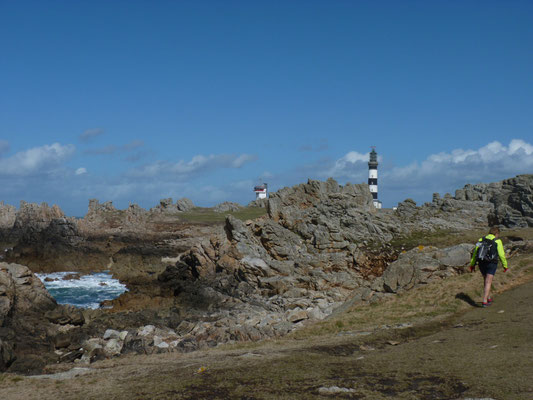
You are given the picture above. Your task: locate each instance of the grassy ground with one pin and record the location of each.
(433, 342)
(449, 238)
(208, 216)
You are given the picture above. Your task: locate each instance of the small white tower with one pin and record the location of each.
(373, 177)
(261, 191)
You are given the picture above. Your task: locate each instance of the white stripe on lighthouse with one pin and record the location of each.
(373, 177)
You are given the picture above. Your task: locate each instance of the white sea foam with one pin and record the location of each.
(87, 292)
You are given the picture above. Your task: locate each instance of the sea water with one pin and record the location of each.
(87, 292)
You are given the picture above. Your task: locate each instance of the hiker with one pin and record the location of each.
(486, 253)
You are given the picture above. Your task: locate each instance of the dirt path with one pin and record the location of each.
(483, 353)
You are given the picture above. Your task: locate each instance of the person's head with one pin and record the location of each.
(495, 231)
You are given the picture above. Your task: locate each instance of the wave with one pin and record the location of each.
(86, 292)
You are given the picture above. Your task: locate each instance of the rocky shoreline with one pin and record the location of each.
(319, 247)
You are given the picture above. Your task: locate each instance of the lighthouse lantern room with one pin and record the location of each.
(373, 177)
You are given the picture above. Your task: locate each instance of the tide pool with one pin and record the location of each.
(87, 292)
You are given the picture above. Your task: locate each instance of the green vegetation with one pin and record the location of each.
(439, 238)
(209, 216)
(446, 238)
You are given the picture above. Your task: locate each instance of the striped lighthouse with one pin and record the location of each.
(373, 177)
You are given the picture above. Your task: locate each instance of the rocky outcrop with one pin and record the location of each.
(184, 204)
(320, 245)
(30, 217)
(32, 324)
(513, 202)
(510, 202)
(261, 203)
(36, 217)
(56, 247)
(227, 206)
(8, 214)
(422, 265)
(167, 206)
(106, 218)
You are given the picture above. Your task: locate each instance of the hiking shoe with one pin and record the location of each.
(489, 300)
(488, 303)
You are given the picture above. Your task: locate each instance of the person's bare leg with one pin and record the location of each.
(488, 285)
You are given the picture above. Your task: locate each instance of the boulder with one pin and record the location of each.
(113, 347)
(111, 334)
(165, 203)
(7, 355)
(27, 364)
(28, 314)
(184, 204)
(227, 206)
(146, 330)
(65, 315)
(21, 291)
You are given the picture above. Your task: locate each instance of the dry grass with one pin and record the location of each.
(442, 238)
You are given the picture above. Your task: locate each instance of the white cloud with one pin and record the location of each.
(197, 164)
(350, 165)
(487, 163)
(517, 146)
(243, 159)
(21, 175)
(37, 160)
(440, 172)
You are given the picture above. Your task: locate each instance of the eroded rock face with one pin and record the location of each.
(104, 216)
(29, 218)
(513, 203)
(184, 204)
(36, 217)
(320, 245)
(167, 206)
(8, 214)
(22, 291)
(227, 206)
(56, 247)
(424, 265)
(30, 321)
(510, 201)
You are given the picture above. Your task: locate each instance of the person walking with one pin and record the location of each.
(486, 253)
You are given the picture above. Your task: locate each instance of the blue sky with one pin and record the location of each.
(133, 101)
